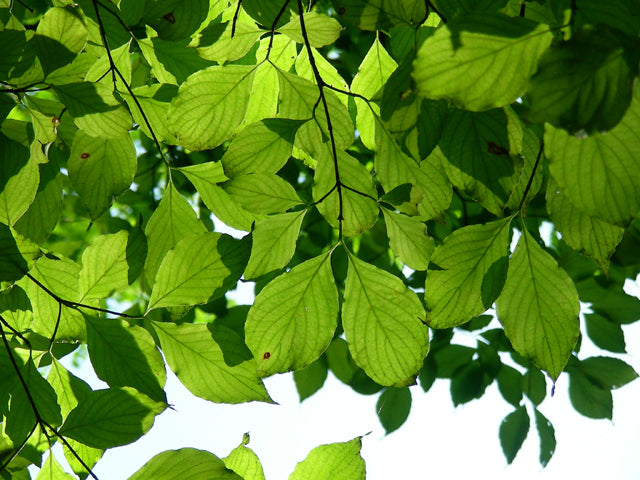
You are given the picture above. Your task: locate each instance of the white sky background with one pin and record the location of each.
(436, 440)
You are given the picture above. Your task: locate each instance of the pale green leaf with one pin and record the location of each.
(89, 456)
(125, 355)
(155, 102)
(51, 470)
(320, 29)
(19, 179)
(293, 318)
(328, 72)
(185, 463)
(600, 174)
(196, 268)
(215, 42)
(121, 58)
(60, 36)
(582, 232)
(17, 254)
(173, 220)
(112, 417)
(481, 151)
(373, 72)
(212, 362)
(262, 193)
(69, 388)
(532, 156)
(383, 323)
(244, 461)
(539, 307)
(467, 274)
(210, 106)
(575, 91)
(100, 169)
(408, 239)
(335, 461)
(15, 308)
(208, 172)
(274, 243)
(104, 266)
(261, 147)
(353, 201)
(480, 61)
(94, 108)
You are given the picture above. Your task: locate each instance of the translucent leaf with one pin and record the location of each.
(173, 220)
(196, 268)
(380, 14)
(373, 72)
(19, 179)
(262, 193)
(293, 318)
(468, 273)
(338, 461)
(265, 11)
(320, 29)
(212, 362)
(112, 417)
(215, 42)
(16, 255)
(513, 431)
(547, 436)
(125, 355)
(60, 36)
(104, 266)
(185, 463)
(582, 232)
(383, 323)
(600, 174)
(393, 407)
(481, 155)
(408, 239)
(51, 470)
(263, 146)
(155, 101)
(94, 108)
(575, 91)
(328, 72)
(355, 202)
(69, 388)
(176, 20)
(15, 309)
(480, 61)
(100, 169)
(539, 307)
(244, 461)
(529, 180)
(274, 243)
(210, 106)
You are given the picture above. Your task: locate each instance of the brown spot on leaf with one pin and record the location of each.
(495, 149)
(84, 155)
(266, 355)
(169, 17)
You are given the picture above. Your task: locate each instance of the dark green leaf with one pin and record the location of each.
(588, 398)
(393, 407)
(311, 378)
(513, 431)
(547, 436)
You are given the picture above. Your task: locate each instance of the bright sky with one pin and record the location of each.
(437, 439)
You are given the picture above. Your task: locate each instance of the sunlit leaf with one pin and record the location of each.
(262, 193)
(185, 463)
(19, 180)
(244, 461)
(320, 29)
(339, 461)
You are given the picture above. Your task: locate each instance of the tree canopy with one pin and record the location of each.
(397, 172)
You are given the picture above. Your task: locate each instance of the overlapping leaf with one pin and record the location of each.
(185, 463)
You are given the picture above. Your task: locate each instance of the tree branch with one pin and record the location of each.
(533, 173)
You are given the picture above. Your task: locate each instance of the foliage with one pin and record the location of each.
(389, 166)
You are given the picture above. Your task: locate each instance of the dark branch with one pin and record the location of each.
(235, 18)
(533, 173)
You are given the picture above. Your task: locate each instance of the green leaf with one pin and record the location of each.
(353, 201)
(216, 43)
(155, 102)
(51, 470)
(320, 29)
(176, 20)
(261, 147)
(17, 254)
(15, 308)
(380, 14)
(509, 382)
(383, 323)
(61, 35)
(623, 15)
(375, 69)
(547, 436)
(531, 175)
(481, 155)
(244, 461)
(408, 239)
(575, 91)
(604, 333)
(125, 355)
(112, 417)
(185, 463)
(582, 232)
(311, 378)
(196, 268)
(69, 389)
(513, 432)
(212, 362)
(539, 307)
(534, 385)
(94, 108)
(293, 318)
(19, 179)
(262, 193)
(274, 243)
(100, 169)
(393, 407)
(480, 61)
(265, 12)
(210, 106)
(588, 398)
(205, 178)
(600, 174)
(469, 271)
(173, 220)
(338, 461)
(104, 266)
(608, 372)
(467, 383)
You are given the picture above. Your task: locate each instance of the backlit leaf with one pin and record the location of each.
(244, 461)
(262, 193)
(185, 463)
(408, 239)
(321, 30)
(339, 461)
(19, 180)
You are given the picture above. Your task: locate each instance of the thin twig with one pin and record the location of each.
(273, 27)
(235, 18)
(17, 451)
(432, 7)
(533, 173)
